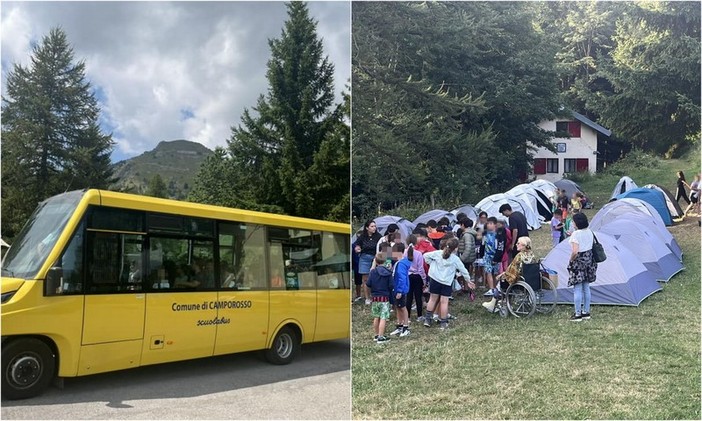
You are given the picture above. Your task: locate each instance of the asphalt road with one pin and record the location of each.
(317, 385)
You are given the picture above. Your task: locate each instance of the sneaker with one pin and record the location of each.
(443, 326)
(368, 302)
(404, 333)
(396, 331)
(576, 318)
(451, 317)
(435, 317)
(586, 316)
(382, 340)
(375, 338)
(488, 293)
(357, 299)
(427, 322)
(414, 307)
(420, 319)
(450, 298)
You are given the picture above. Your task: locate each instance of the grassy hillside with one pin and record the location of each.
(177, 162)
(627, 362)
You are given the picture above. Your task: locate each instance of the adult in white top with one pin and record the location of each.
(582, 267)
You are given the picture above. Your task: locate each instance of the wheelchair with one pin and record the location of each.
(533, 293)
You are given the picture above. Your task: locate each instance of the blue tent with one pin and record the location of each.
(653, 197)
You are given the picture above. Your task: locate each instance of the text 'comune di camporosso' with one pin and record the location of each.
(211, 305)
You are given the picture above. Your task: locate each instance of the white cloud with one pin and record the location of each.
(171, 70)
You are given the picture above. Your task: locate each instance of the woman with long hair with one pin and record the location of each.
(680, 191)
(365, 247)
(582, 267)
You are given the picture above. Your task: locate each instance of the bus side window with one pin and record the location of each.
(333, 268)
(114, 262)
(242, 256)
(71, 264)
(294, 253)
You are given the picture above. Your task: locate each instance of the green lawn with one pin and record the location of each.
(627, 362)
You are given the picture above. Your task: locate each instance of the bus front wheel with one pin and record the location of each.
(28, 366)
(285, 346)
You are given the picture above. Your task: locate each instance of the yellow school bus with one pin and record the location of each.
(100, 281)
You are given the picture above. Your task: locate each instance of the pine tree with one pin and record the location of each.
(278, 157)
(51, 140)
(157, 187)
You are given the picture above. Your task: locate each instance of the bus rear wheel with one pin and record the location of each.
(285, 347)
(28, 366)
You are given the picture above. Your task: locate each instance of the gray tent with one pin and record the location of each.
(569, 186)
(625, 184)
(469, 210)
(673, 205)
(435, 214)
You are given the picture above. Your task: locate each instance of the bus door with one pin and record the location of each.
(113, 316)
(181, 314)
(293, 254)
(243, 299)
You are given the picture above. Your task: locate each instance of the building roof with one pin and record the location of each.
(586, 121)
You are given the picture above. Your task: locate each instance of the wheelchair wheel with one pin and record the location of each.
(521, 300)
(549, 294)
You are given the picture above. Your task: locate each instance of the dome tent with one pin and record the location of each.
(621, 279)
(469, 210)
(538, 202)
(491, 205)
(650, 249)
(435, 214)
(625, 184)
(673, 206)
(382, 223)
(652, 197)
(640, 211)
(546, 187)
(569, 186)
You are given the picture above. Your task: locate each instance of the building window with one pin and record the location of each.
(552, 165)
(569, 165)
(540, 166)
(570, 127)
(561, 147)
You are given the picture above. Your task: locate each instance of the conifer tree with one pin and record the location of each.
(51, 140)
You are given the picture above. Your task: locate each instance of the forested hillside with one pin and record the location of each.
(447, 96)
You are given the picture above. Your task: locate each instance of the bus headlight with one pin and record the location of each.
(6, 296)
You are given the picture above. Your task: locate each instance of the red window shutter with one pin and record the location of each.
(540, 166)
(582, 165)
(574, 128)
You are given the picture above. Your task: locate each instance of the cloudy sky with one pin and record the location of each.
(170, 70)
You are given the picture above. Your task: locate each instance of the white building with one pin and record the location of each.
(575, 154)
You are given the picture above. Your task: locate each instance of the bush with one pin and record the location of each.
(634, 162)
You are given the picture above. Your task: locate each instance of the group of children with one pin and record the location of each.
(438, 260)
(562, 225)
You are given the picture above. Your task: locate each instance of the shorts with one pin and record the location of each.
(694, 199)
(357, 278)
(440, 289)
(401, 302)
(365, 261)
(380, 310)
(490, 267)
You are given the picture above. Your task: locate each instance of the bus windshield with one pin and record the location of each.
(36, 240)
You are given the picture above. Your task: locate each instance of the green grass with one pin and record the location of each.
(627, 362)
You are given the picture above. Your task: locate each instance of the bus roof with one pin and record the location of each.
(154, 204)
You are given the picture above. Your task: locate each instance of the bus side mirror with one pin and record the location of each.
(52, 284)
